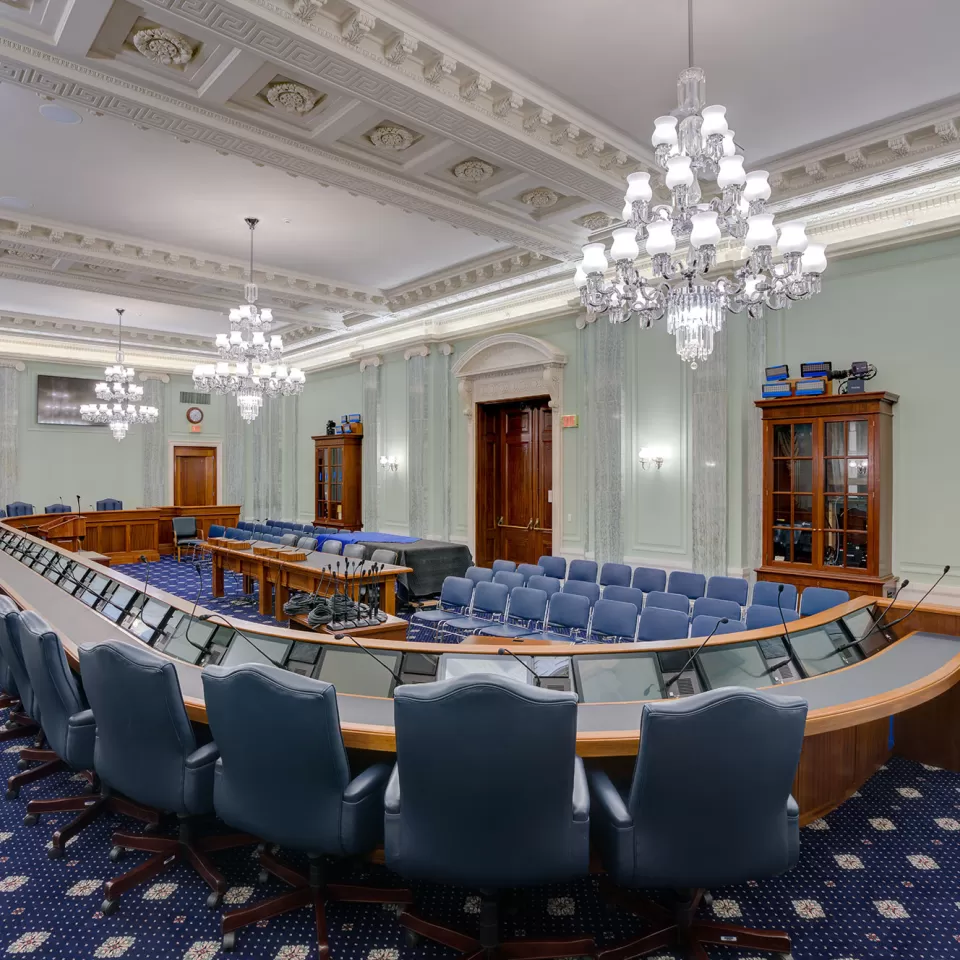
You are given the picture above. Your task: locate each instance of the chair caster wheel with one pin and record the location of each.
(229, 940)
(23, 764)
(215, 899)
(109, 906)
(117, 853)
(707, 898)
(13, 793)
(55, 853)
(30, 819)
(410, 937)
(149, 828)
(262, 877)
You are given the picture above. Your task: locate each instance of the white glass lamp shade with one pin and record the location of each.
(243, 370)
(236, 338)
(627, 212)
(245, 311)
(297, 375)
(594, 258)
(814, 258)
(665, 131)
(760, 231)
(793, 237)
(625, 245)
(266, 315)
(714, 121)
(258, 339)
(729, 147)
(638, 187)
(706, 230)
(579, 277)
(235, 315)
(758, 186)
(660, 238)
(281, 372)
(679, 172)
(222, 369)
(276, 342)
(731, 173)
(222, 340)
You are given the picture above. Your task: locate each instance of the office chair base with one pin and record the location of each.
(18, 725)
(166, 851)
(45, 769)
(7, 701)
(29, 755)
(307, 890)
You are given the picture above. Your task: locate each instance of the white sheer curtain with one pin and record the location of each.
(9, 433)
(418, 442)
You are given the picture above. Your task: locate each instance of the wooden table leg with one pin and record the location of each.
(217, 577)
(266, 592)
(282, 595)
(247, 583)
(388, 595)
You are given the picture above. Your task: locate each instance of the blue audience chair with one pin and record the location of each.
(660, 623)
(584, 588)
(215, 530)
(709, 607)
(613, 621)
(505, 566)
(489, 605)
(549, 585)
(691, 585)
(668, 601)
(479, 574)
(455, 596)
(765, 593)
(553, 566)
(568, 616)
(728, 588)
(526, 613)
(816, 599)
(704, 623)
(528, 570)
(508, 579)
(624, 595)
(583, 570)
(617, 574)
(759, 616)
(649, 579)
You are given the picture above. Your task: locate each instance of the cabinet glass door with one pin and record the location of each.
(792, 533)
(846, 475)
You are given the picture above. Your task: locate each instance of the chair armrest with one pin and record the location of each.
(581, 792)
(199, 770)
(81, 739)
(373, 780)
(391, 799)
(83, 719)
(607, 800)
(207, 754)
(793, 809)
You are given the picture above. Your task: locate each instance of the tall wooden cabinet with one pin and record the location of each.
(828, 492)
(338, 473)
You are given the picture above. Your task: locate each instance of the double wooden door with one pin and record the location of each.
(514, 481)
(194, 476)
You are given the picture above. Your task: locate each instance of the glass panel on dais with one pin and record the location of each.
(781, 440)
(857, 550)
(856, 513)
(803, 439)
(833, 480)
(857, 434)
(832, 548)
(781, 509)
(783, 475)
(803, 546)
(803, 476)
(803, 511)
(833, 438)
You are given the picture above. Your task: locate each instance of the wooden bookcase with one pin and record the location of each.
(828, 492)
(338, 463)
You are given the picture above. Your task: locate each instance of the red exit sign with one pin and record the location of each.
(570, 420)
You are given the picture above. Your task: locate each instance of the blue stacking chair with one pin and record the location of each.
(765, 593)
(613, 621)
(568, 617)
(57, 508)
(147, 751)
(259, 529)
(553, 566)
(691, 585)
(549, 585)
(615, 574)
(704, 624)
(479, 574)
(661, 623)
(215, 530)
(760, 616)
(583, 570)
(245, 525)
(668, 601)
(489, 606)
(526, 614)
(292, 787)
(728, 588)
(508, 579)
(659, 833)
(109, 503)
(649, 579)
(233, 533)
(817, 599)
(584, 588)
(23, 720)
(624, 595)
(19, 509)
(3, 512)
(506, 746)
(708, 607)
(455, 596)
(528, 570)
(505, 566)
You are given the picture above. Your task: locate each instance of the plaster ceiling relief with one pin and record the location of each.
(392, 136)
(290, 97)
(540, 198)
(162, 45)
(595, 221)
(473, 170)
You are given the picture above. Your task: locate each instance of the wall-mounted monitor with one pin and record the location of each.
(59, 399)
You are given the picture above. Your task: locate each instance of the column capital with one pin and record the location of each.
(162, 377)
(446, 349)
(373, 360)
(17, 365)
(421, 350)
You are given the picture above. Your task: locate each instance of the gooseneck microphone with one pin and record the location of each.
(936, 583)
(346, 636)
(526, 666)
(78, 503)
(774, 667)
(696, 653)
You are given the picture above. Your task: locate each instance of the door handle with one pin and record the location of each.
(500, 522)
(530, 524)
(536, 523)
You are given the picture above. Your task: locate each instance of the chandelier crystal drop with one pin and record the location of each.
(250, 364)
(695, 146)
(119, 397)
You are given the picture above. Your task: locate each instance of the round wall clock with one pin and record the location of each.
(195, 415)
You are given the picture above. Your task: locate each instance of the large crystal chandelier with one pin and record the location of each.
(249, 365)
(695, 145)
(119, 396)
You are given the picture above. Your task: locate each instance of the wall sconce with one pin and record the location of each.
(392, 462)
(649, 457)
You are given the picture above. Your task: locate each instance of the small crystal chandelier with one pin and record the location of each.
(120, 394)
(249, 365)
(691, 145)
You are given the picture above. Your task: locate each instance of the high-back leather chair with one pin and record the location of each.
(185, 534)
(146, 749)
(507, 747)
(291, 785)
(109, 503)
(56, 508)
(25, 719)
(663, 832)
(19, 509)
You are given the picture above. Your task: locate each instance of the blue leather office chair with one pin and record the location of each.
(553, 566)
(8, 685)
(691, 585)
(292, 786)
(57, 508)
(507, 747)
(19, 509)
(765, 593)
(525, 614)
(624, 595)
(659, 623)
(615, 573)
(510, 580)
(728, 588)
(583, 570)
(245, 524)
(185, 534)
(528, 570)
(506, 566)
(662, 833)
(479, 574)
(759, 616)
(215, 530)
(613, 621)
(23, 718)
(146, 750)
(667, 601)
(109, 503)
(709, 607)
(70, 732)
(583, 588)
(649, 579)
(704, 623)
(489, 606)
(817, 599)
(549, 585)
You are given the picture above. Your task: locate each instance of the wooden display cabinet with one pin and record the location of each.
(338, 473)
(828, 492)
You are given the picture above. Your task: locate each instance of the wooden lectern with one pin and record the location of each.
(68, 531)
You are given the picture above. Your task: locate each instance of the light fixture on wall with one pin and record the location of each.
(120, 395)
(650, 458)
(691, 144)
(246, 355)
(391, 463)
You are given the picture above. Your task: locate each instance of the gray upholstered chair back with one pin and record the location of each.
(355, 551)
(381, 555)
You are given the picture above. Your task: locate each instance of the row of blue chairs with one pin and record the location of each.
(21, 509)
(292, 525)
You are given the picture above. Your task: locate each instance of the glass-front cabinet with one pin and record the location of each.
(337, 478)
(827, 491)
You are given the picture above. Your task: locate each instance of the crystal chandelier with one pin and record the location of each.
(119, 395)
(249, 365)
(695, 145)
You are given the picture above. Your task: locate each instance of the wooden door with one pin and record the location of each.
(194, 476)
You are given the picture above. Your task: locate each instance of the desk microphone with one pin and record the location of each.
(696, 653)
(78, 503)
(774, 667)
(146, 587)
(936, 583)
(526, 666)
(369, 653)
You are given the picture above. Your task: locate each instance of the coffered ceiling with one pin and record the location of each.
(416, 161)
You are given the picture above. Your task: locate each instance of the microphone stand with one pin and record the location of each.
(693, 656)
(936, 583)
(773, 668)
(526, 666)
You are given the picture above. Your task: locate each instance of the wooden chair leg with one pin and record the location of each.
(32, 775)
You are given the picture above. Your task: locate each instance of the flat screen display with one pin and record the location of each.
(817, 649)
(95, 590)
(741, 665)
(118, 602)
(453, 665)
(860, 625)
(57, 569)
(144, 625)
(352, 671)
(188, 638)
(617, 679)
(268, 650)
(59, 399)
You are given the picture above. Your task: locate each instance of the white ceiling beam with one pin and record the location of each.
(236, 68)
(81, 22)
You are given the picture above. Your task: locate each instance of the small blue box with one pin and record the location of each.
(811, 387)
(353, 418)
(774, 389)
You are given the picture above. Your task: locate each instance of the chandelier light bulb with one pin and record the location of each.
(660, 238)
(714, 121)
(234, 314)
(758, 186)
(579, 276)
(793, 237)
(679, 172)
(665, 132)
(706, 230)
(638, 188)
(729, 148)
(625, 245)
(731, 173)
(760, 231)
(594, 258)
(814, 259)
